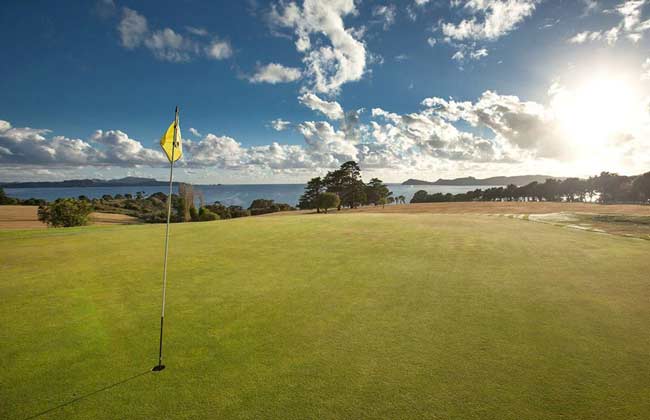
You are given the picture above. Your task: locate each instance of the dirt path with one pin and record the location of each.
(24, 217)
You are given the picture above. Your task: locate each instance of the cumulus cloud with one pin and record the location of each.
(166, 44)
(329, 147)
(212, 150)
(29, 146)
(331, 110)
(328, 67)
(121, 150)
(194, 132)
(275, 73)
(515, 122)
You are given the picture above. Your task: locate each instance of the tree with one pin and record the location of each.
(347, 184)
(328, 200)
(309, 200)
(377, 192)
(401, 199)
(641, 187)
(4, 199)
(419, 197)
(65, 212)
(186, 194)
(613, 187)
(194, 214)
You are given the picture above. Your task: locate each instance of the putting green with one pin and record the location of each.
(327, 316)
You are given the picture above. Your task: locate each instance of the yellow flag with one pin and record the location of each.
(167, 143)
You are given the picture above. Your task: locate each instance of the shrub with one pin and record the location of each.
(206, 215)
(328, 200)
(65, 212)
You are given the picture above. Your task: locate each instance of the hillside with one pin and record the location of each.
(493, 181)
(121, 182)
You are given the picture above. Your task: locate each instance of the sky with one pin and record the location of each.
(281, 91)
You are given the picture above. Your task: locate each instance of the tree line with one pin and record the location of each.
(343, 187)
(606, 188)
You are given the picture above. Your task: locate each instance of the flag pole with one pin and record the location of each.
(160, 366)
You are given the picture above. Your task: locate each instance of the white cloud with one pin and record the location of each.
(490, 19)
(219, 49)
(197, 31)
(280, 125)
(386, 13)
(630, 25)
(166, 44)
(29, 146)
(331, 110)
(328, 67)
(194, 132)
(329, 147)
(120, 150)
(431, 41)
(213, 150)
(133, 28)
(478, 54)
(275, 73)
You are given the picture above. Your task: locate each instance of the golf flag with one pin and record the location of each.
(173, 134)
(171, 145)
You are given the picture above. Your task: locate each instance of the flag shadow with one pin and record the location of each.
(90, 394)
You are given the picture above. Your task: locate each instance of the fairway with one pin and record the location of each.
(338, 316)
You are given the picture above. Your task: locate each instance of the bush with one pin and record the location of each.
(65, 212)
(206, 215)
(328, 200)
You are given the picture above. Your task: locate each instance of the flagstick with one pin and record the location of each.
(160, 366)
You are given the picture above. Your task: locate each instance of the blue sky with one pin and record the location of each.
(279, 91)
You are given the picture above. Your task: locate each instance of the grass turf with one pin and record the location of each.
(327, 316)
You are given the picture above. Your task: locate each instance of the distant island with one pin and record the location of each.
(76, 183)
(494, 181)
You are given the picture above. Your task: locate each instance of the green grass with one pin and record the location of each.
(327, 316)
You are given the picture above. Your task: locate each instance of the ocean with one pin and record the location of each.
(240, 195)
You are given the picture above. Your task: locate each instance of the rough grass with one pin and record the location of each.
(26, 217)
(509, 207)
(327, 316)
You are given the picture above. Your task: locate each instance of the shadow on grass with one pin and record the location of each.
(90, 394)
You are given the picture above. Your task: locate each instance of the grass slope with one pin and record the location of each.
(327, 316)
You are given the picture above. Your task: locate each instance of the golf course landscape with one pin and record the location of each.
(346, 315)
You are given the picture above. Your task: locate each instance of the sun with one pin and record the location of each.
(596, 111)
